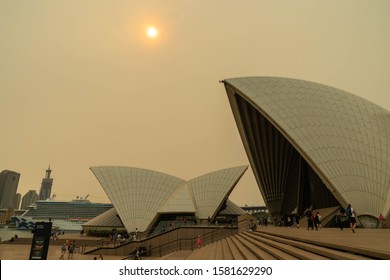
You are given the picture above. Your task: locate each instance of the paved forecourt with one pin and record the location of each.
(364, 239)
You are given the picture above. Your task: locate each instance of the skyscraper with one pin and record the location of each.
(9, 181)
(47, 183)
(29, 198)
(18, 198)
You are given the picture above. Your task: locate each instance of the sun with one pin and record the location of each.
(152, 32)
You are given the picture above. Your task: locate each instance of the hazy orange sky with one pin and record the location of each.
(82, 85)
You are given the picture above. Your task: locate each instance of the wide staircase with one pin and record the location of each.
(264, 245)
(179, 239)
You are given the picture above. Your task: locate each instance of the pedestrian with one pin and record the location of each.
(339, 219)
(199, 241)
(309, 219)
(71, 249)
(319, 220)
(351, 214)
(297, 218)
(265, 219)
(260, 221)
(137, 254)
(63, 251)
(314, 217)
(289, 221)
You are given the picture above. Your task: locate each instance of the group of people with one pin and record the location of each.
(138, 253)
(313, 219)
(116, 237)
(263, 221)
(100, 257)
(55, 233)
(342, 216)
(346, 215)
(70, 246)
(252, 225)
(13, 238)
(291, 220)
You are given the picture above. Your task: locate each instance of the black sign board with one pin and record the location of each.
(40, 241)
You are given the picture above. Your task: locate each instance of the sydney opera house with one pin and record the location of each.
(309, 146)
(149, 201)
(313, 146)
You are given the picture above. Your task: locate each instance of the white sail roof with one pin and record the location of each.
(345, 138)
(139, 195)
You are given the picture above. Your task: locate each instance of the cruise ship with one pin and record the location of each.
(65, 215)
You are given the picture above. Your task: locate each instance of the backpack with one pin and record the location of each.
(348, 211)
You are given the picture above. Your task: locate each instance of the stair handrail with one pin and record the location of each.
(189, 241)
(108, 244)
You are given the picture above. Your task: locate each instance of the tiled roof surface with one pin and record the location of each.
(138, 195)
(345, 137)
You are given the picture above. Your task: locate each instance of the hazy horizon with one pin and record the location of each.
(82, 85)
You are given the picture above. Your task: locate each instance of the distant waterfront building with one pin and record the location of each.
(18, 198)
(9, 181)
(313, 146)
(7, 213)
(47, 183)
(255, 209)
(29, 198)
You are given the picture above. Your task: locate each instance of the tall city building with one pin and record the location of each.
(47, 183)
(18, 199)
(9, 181)
(29, 198)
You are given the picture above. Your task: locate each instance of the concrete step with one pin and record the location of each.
(227, 254)
(236, 254)
(178, 255)
(256, 250)
(320, 250)
(281, 250)
(219, 253)
(198, 253)
(211, 251)
(246, 253)
(165, 256)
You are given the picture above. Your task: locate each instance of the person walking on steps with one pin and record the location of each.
(340, 219)
(351, 214)
(309, 219)
(199, 241)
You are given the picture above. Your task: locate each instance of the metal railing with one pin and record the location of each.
(156, 247)
(189, 243)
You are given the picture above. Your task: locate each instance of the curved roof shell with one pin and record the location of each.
(107, 219)
(343, 137)
(212, 190)
(140, 195)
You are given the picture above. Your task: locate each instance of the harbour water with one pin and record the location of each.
(7, 233)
